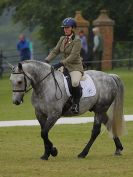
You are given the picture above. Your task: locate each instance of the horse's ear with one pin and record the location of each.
(10, 65)
(20, 66)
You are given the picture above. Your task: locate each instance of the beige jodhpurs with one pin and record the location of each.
(75, 77)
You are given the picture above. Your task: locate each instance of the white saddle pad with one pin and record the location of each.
(88, 87)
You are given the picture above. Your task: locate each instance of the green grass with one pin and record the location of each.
(21, 147)
(8, 111)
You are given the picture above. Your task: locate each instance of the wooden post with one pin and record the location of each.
(82, 24)
(106, 25)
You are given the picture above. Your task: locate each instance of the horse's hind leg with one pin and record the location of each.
(118, 145)
(117, 141)
(95, 132)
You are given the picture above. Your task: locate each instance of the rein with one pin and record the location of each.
(27, 90)
(56, 84)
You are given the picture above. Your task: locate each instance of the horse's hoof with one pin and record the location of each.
(81, 156)
(118, 152)
(44, 157)
(54, 152)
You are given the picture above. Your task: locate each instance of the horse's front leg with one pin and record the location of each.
(49, 149)
(48, 146)
(46, 125)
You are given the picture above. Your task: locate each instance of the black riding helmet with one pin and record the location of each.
(69, 22)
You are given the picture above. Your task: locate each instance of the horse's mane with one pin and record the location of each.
(36, 63)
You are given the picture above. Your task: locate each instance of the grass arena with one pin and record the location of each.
(20, 146)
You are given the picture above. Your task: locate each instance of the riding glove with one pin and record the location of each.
(58, 65)
(46, 61)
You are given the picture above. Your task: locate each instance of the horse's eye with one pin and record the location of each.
(19, 82)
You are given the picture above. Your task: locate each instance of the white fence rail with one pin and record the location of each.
(63, 120)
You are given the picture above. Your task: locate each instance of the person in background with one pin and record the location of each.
(69, 48)
(84, 49)
(31, 49)
(97, 48)
(23, 46)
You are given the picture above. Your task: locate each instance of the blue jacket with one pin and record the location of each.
(24, 48)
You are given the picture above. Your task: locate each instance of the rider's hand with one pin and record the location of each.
(46, 60)
(58, 65)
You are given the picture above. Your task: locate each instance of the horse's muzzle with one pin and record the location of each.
(16, 102)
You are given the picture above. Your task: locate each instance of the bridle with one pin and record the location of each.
(25, 90)
(25, 83)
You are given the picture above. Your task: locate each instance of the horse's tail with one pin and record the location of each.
(116, 123)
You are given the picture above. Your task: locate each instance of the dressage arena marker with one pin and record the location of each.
(63, 120)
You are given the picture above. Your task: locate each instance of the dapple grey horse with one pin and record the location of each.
(49, 98)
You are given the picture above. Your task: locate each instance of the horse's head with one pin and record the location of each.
(20, 82)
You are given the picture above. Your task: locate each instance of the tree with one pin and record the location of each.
(48, 14)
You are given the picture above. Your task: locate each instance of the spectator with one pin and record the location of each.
(97, 48)
(23, 47)
(31, 49)
(84, 49)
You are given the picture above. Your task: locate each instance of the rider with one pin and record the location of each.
(69, 48)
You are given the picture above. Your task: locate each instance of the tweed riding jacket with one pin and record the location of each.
(70, 53)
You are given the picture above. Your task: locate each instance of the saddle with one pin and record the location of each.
(87, 85)
(87, 88)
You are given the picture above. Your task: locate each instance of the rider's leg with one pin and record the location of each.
(76, 91)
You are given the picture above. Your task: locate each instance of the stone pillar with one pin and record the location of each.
(106, 25)
(82, 24)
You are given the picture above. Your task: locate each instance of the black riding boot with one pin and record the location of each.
(76, 94)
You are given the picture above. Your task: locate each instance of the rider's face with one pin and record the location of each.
(68, 31)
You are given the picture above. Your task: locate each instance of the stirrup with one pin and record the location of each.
(75, 108)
